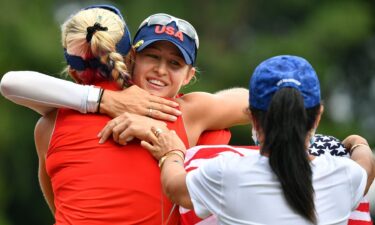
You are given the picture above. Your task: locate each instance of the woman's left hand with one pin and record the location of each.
(161, 141)
(127, 126)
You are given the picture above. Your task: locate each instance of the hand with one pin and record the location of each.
(138, 101)
(162, 141)
(127, 126)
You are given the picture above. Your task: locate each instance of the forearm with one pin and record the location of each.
(363, 155)
(43, 93)
(173, 176)
(237, 101)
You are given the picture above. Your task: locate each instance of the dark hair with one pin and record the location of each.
(285, 126)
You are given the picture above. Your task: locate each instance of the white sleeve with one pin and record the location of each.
(358, 178)
(43, 93)
(205, 185)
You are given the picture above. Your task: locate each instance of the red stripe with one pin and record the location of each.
(359, 222)
(363, 207)
(208, 153)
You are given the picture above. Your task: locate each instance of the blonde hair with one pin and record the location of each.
(102, 45)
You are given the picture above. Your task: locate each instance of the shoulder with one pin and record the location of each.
(215, 159)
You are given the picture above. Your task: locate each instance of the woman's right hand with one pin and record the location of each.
(138, 101)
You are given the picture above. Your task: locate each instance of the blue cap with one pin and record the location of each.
(123, 46)
(149, 34)
(283, 71)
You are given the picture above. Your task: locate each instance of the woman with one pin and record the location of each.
(282, 184)
(106, 184)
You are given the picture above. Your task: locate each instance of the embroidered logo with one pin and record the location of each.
(169, 30)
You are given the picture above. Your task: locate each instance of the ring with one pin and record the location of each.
(149, 113)
(158, 131)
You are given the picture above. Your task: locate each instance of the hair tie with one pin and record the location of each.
(91, 31)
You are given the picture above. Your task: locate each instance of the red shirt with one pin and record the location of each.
(104, 183)
(108, 183)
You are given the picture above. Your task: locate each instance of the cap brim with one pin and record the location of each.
(182, 50)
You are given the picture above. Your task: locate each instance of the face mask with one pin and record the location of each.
(254, 135)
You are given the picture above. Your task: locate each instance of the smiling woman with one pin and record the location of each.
(164, 58)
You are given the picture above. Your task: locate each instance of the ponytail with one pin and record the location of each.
(285, 127)
(93, 34)
(102, 45)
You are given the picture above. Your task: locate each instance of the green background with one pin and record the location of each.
(337, 37)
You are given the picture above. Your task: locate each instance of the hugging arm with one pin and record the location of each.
(42, 133)
(221, 110)
(361, 153)
(43, 93)
(169, 150)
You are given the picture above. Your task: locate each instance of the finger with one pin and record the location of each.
(118, 129)
(167, 109)
(106, 132)
(125, 137)
(147, 145)
(152, 149)
(156, 114)
(151, 135)
(163, 101)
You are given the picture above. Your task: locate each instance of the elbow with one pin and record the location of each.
(7, 83)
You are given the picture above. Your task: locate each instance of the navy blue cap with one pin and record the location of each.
(123, 46)
(283, 71)
(149, 34)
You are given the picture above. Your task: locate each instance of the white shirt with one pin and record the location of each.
(243, 190)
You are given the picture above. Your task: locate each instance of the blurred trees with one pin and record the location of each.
(337, 37)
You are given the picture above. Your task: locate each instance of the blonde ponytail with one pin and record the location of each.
(101, 44)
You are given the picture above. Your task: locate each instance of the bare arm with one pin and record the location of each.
(42, 134)
(204, 111)
(361, 153)
(43, 93)
(173, 174)
(221, 110)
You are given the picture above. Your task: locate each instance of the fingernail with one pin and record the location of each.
(178, 112)
(99, 135)
(173, 118)
(101, 141)
(175, 104)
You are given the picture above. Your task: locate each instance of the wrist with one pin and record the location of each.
(174, 152)
(92, 99)
(356, 146)
(100, 99)
(104, 102)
